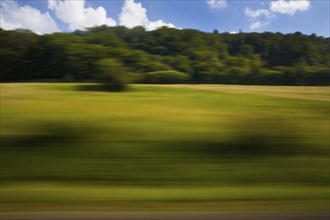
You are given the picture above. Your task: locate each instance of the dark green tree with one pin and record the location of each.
(112, 74)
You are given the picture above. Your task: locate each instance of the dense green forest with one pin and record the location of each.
(165, 55)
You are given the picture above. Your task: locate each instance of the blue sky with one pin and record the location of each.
(286, 16)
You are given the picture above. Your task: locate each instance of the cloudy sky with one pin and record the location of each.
(286, 16)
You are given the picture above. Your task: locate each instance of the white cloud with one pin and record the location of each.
(258, 25)
(262, 17)
(13, 16)
(133, 14)
(217, 4)
(259, 17)
(257, 13)
(255, 25)
(153, 25)
(78, 16)
(289, 7)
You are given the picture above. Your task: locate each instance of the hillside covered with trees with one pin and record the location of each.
(165, 55)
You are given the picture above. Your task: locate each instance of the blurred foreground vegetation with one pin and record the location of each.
(212, 146)
(165, 56)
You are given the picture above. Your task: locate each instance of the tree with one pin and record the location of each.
(246, 50)
(112, 74)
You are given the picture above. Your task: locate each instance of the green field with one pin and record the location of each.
(71, 147)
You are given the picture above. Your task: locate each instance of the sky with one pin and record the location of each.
(285, 16)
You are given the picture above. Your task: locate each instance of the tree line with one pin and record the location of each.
(118, 55)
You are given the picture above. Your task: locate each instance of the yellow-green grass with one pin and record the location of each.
(70, 145)
(57, 197)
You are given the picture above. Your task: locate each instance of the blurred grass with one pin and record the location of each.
(43, 193)
(178, 143)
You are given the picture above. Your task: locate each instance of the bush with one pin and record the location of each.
(112, 74)
(166, 77)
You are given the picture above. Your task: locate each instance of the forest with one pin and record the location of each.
(165, 56)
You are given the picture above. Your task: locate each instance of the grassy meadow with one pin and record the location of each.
(70, 146)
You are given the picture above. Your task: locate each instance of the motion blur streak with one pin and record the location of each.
(163, 148)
